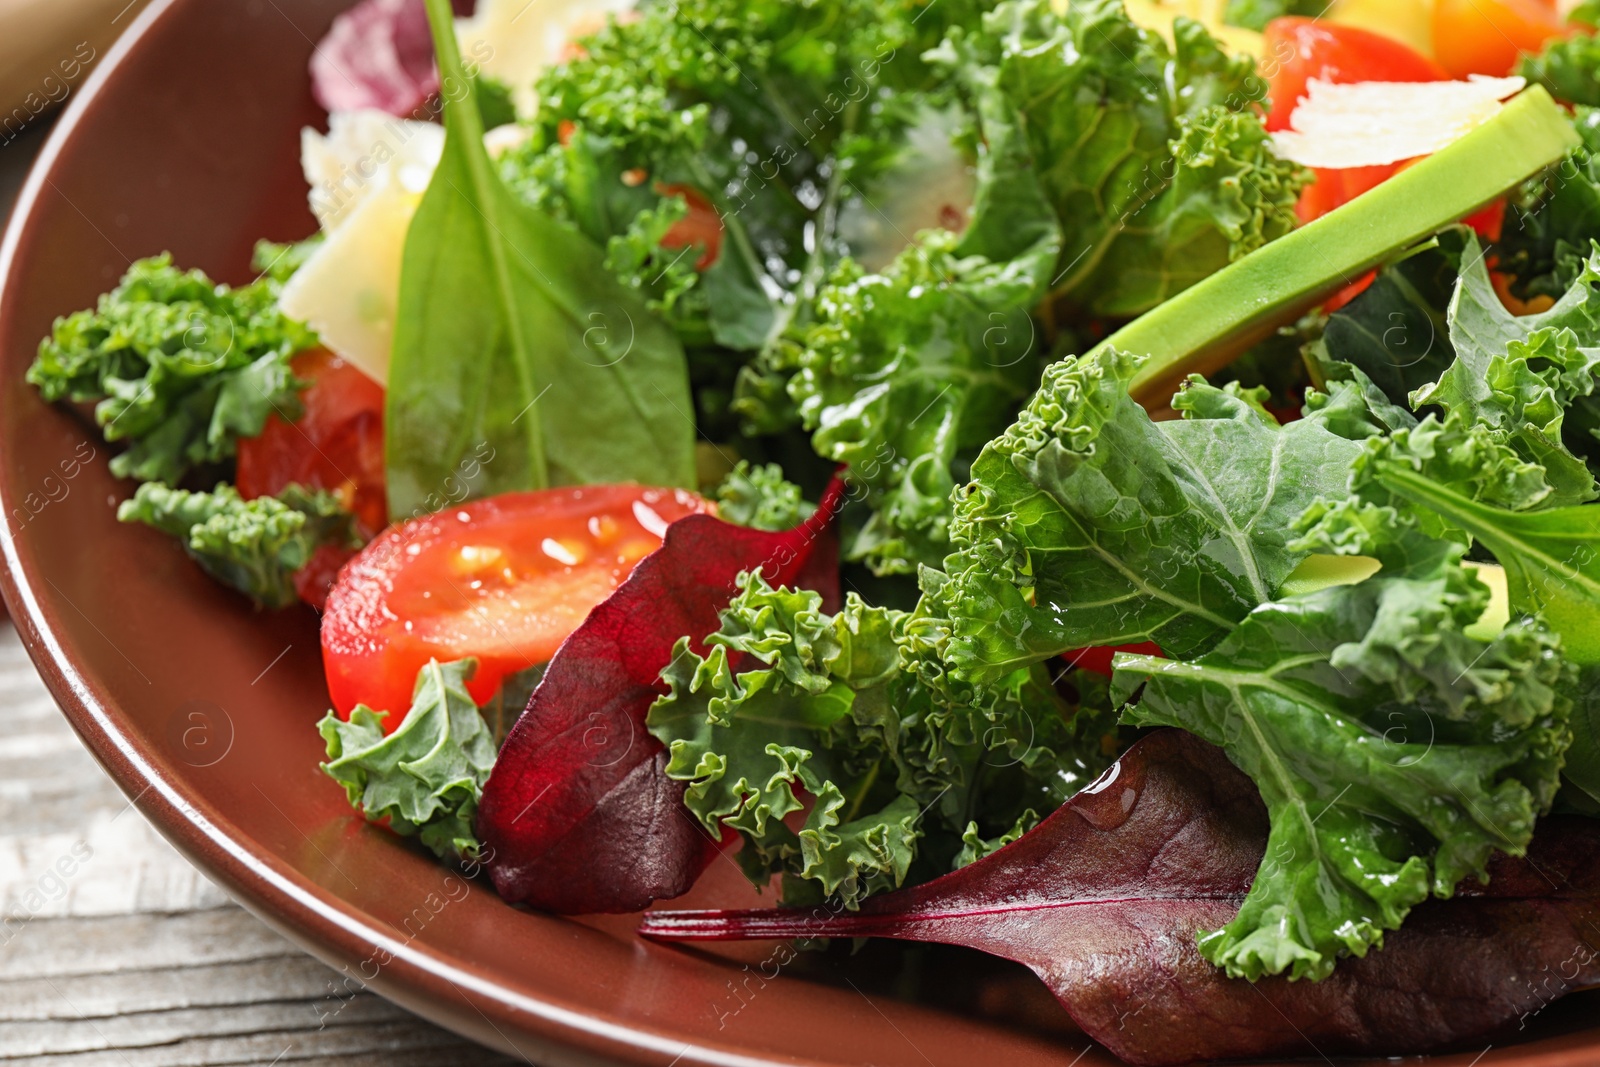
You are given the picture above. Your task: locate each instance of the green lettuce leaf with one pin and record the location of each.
(1154, 158)
(790, 700)
(254, 546)
(427, 776)
(1394, 754)
(178, 367)
(1087, 523)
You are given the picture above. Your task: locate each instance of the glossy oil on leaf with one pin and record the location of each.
(512, 332)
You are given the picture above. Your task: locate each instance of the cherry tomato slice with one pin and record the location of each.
(1295, 50)
(700, 228)
(1487, 36)
(504, 579)
(336, 444)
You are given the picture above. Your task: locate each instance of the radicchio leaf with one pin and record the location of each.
(379, 54)
(579, 815)
(1103, 901)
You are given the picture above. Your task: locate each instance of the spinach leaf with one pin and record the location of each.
(512, 333)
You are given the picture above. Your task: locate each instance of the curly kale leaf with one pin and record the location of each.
(1521, 374)
(774, 112)
(1567, 66)
(1459, 482)
(254, 546)
(904, 374)
(1087, 523)
(426, 776)
(758, 496)
(1394, 754)
(179, 368)
(1550, 224)
(790, 700)
(1153, 156)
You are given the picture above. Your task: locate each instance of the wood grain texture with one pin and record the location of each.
(115, 952)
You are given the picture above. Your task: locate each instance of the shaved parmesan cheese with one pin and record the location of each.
(367, 176)
(514, 41)
(1367, 124)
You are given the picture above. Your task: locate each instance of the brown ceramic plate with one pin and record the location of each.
(186, 139)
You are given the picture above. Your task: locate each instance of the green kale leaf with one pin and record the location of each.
(425, 777)
(790, 700)
(1153, 156)
(254, 546)
(1567, 66)
(759, 497)
(1087, 523)
(179, 368)
(1394, 754)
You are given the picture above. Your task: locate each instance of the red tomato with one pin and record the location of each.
(504, 580)
(1487, 36)
(700, 228)
(1098, 659)
(1295, 50)
(337, 445)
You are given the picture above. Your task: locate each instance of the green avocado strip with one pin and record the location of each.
(1201, 328)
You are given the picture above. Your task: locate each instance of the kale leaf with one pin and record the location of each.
(178, 367)
(758, 496)
(1394, 754)
(426, 776)
(254, 546)
(789, 700)
(1568, 66)
(1153, 156)
(1087, 523)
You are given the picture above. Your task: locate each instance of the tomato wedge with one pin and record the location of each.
(700, 228)
(504, 579)
(337, 445)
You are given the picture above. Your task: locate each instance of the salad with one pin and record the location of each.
(1109, 483)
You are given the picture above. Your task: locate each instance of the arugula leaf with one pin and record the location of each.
(254, 546)
(180, 368)
(1394, 754)
(500, 304)
(759, 497)
(1158, 168)
(789, 699)
(1086, 523)
(426, 776)
(1568, 66)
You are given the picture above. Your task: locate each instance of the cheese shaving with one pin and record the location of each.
(1367, 124)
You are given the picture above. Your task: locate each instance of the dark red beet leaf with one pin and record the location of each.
(1104, 898)
(579, 816)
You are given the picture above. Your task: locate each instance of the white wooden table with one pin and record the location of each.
(133, 958)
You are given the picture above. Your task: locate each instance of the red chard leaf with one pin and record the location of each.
(1104, 900)
(579, 816)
